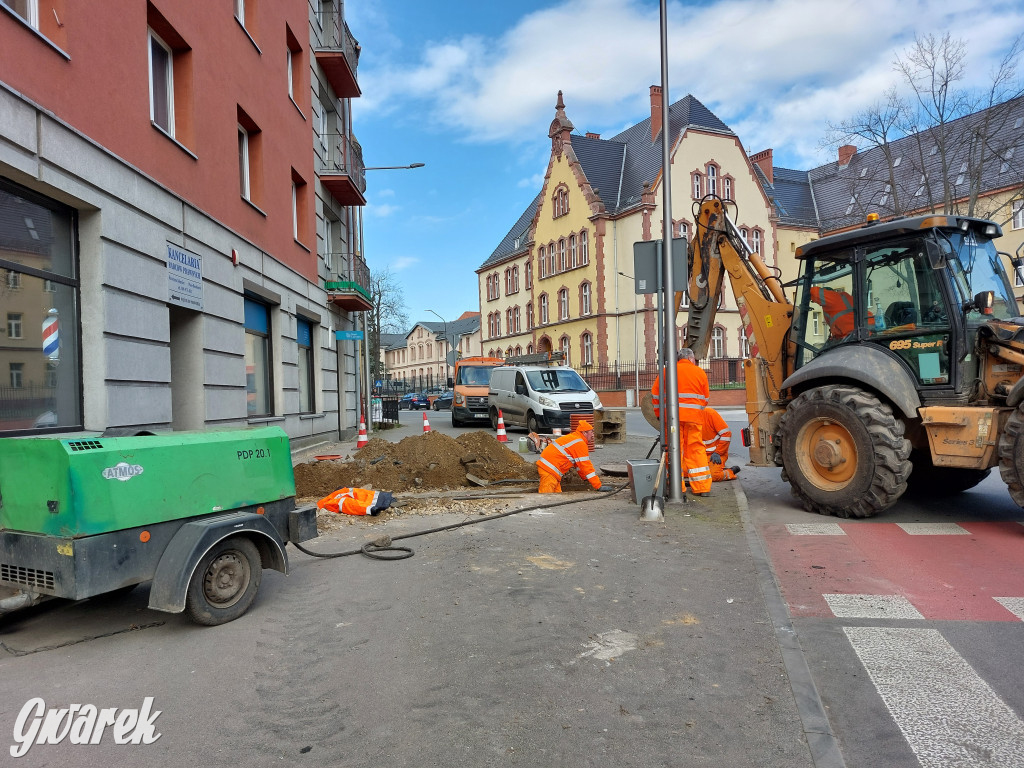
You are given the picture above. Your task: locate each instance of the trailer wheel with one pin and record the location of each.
(843, 452)
(225, 582)
(928, 480)
(1011, 455)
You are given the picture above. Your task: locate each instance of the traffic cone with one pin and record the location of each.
(502, 437)
(557, 431)
(426, 423)
(361, 440)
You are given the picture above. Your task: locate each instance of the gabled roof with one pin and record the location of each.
(791, 195)
(617, 168)
(392, 340)
(454, 328)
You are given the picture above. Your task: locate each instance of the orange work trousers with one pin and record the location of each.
(720, 473)
(549, 483)
(695, 456)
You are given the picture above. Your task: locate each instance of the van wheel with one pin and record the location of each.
(531, 423)
(494, 419)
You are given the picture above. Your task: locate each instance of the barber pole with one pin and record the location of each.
(51, 337)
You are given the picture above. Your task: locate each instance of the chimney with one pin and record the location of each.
(655, 111)
(846, 153)
(593, 135)
(763, 160)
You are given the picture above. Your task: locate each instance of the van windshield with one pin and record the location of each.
(474, 375)
(556, 380)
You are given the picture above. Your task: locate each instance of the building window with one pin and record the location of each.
(560, 202)
(328, 242)
(587, 342)
(258, 379)
(27, 9)
(544, 309)
(1018, 214)
(529, 274)
(561, 255)
(744, 344)
(718, 342)
(293, 59)
(519, 350)
(563, 304)
(696, 187)
(552, 256)
(497, 324)
(712, 180)
(529, 349)
(585, 299)
(816, 323)
(516, 319)
(684, 230)
(572, 251)
(515, 279)
(584, 255)
(17, 375)
(508, 321)
(161, 84)
(757, 241)
(727, 188)
(541, 262)
(300, 208)
(565, 347)
(529, 316)
(243, 162)
(304, 339)
(14, 325)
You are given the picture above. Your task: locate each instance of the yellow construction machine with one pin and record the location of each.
(898, 361)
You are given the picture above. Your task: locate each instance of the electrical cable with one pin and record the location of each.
(373, 549)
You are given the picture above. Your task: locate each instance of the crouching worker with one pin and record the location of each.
(717, 438)
(564, 453)
(356, 501)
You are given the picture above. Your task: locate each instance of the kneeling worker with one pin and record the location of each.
(562, 454)
(717, 437)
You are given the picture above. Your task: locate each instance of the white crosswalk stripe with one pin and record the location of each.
(947, 713)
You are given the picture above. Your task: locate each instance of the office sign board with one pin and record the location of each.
(184, 278)
(647, 264)
(348, 335)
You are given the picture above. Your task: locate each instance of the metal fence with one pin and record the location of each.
(723, 373)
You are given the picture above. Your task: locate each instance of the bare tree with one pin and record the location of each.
(388, 313)
(942, 147)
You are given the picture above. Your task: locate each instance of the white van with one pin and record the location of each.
(539, 397)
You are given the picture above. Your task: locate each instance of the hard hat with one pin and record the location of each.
(584, 426)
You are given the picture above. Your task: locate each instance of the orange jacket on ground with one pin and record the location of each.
(356, 501)
(564, 453)
(693, 392)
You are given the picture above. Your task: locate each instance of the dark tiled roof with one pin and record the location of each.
(455, 328)
(791, 194)
(618, 167)
(392, 340)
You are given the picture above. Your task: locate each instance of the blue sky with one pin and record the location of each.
(469, 88)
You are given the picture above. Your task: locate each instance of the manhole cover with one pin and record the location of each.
(614, 470)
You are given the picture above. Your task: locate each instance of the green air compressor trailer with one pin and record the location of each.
(200, 514)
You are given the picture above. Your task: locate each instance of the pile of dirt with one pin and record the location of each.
(429, 461)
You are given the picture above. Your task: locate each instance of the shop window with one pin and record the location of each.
(258, 361)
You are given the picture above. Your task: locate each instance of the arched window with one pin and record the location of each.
(543, 309)
(712, 180)
(584, 255)
(508, 352)
(508, 321)
(515, 318)
(585, 299)
(552, 256)
(561, 255)
(757, 241)
(727, 187)
(697, 187)
(529, 316)
(572, 250)
(745, 234)
(587, 342)
(560, 201)
(541, 261)
(718, 342)
(529, 348)
(515, 279)
(563, 304)
(529, 275)
(564, 345)
(519, 350)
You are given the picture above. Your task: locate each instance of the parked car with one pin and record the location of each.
(443, 402)
(413, 401)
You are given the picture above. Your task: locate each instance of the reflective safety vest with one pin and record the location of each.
(837, 306)
(566, 452)
(356, 501)
(716, 434)
(693, 392)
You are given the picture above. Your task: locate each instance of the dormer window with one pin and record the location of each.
(560, 201)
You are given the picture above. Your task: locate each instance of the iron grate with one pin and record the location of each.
(84, 445)
(29, 577)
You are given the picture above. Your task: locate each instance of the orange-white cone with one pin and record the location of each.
(426, 422)
(502, 437)
(361, 440)
(557, 431)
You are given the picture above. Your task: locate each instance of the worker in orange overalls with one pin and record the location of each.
(837, 307)
(356, 501)
(717, 438)
(564, 453)
(691, 400)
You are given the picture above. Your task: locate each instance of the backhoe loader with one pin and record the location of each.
(899, 359)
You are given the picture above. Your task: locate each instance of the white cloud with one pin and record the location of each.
(532, 182)
(774, 70)
(403, 262)
(384, 193)
(381, 211)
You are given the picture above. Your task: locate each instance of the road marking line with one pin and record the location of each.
(1014, 605)
(815, 529)
(947, 713)
(934, 529)
(871, 607)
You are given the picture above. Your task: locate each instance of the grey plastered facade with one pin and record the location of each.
(146, 363)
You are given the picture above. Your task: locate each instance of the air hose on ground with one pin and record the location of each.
(374, 549)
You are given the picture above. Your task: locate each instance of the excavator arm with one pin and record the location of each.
(717, 249)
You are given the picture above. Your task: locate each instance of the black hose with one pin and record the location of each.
(383, 544)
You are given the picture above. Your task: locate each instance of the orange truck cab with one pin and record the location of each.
(471, 382)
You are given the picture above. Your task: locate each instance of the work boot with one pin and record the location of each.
(700, 493)
(734, 470)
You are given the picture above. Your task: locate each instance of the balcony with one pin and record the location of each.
(337, 53)
(340, 168)
(348, 284)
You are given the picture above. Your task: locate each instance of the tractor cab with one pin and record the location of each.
(918, 288)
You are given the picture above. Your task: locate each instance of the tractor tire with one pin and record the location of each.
(929, 481)
(1011, 455)
(225, 582)
(843, 452)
